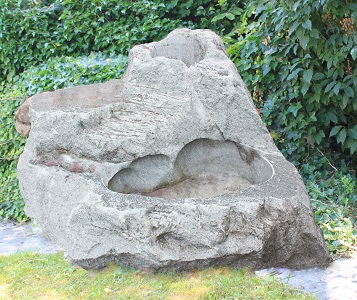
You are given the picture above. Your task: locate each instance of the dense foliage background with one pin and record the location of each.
(298, 59)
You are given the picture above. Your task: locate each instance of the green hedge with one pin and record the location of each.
(299, 59)
(11, 145)
(56, 73)
(32, 34)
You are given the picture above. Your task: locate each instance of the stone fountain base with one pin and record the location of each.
(170, 167)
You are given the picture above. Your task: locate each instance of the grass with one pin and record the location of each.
(49, 276)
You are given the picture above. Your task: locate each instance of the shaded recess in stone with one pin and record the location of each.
(202, 168)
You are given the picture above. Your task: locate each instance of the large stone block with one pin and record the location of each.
(169, 167)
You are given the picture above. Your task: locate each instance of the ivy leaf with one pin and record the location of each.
(307, 75)
(335, 130)
(266, 69)
(294, 108)
(319, 136)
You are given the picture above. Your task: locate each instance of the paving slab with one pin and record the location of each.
(23, 237)
(336, 282)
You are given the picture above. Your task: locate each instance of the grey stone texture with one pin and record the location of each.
(336, 282)
(169, 167)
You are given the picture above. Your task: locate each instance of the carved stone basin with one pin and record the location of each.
(203, 168)
(169, 167)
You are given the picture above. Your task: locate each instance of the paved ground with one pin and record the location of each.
(337, 282)
(25, 237)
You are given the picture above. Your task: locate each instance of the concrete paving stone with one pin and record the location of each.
(23, 237)
(336, 282)
(341, 293)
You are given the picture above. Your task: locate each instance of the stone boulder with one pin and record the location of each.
(169, 167)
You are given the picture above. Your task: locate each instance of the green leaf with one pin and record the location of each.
(330, 86)
(352, 6)
(353, 148)
(332, 117)
(305, 88)
(354, 53)
(307, 25)
(266, 69)
(341, 136)
(307, 75)
(218, 17)
(318, 76)
(319, 136)
(293, 27)
(354, 15)
(317, 88)
(344, 102)
(237, 11)
(230, 16)
(304, 42)
(352, 133)
(294, 108)
(335, 130)
(329, 63)
(336, 88)
(349, 91)
(294, 74)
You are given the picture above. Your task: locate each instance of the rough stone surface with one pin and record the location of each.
(336, 282)
(170, 167)
(22, 123)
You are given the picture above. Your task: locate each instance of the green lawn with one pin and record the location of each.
(37, 276)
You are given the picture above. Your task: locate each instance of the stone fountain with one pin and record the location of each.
(169, 167)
